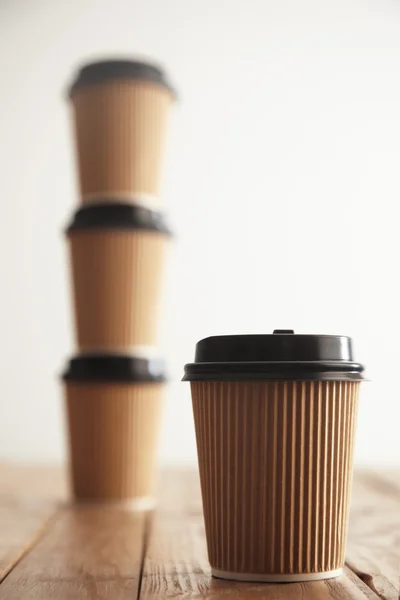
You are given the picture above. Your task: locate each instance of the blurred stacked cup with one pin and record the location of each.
(117, 255)
(117, 239)
(114, 406)
(121, 111)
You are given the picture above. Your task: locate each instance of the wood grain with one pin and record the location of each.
(373, 548)
(88, 552)
(20, 525)
(25, 483)
(371, 555)
(96, 552)
(179, 492)
(176, 565)
(391, 477)
(371, 488)
(35, 589)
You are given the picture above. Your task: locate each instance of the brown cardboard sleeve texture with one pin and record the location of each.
(120, 131)
(117, 278)
(113, 432)
(275, 464)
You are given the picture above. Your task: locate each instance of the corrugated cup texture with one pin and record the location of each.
(120, 129)
(117, 286)
(113, 433)
(276, 468)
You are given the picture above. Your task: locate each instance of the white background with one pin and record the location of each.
(282, 184)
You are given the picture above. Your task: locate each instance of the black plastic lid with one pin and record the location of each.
(118, 216)
(282, 355)
(117, 369)
(106, 70)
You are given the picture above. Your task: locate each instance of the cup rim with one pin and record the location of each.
(274, 371)
(111, 368)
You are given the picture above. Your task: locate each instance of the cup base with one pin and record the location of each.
(275, 577)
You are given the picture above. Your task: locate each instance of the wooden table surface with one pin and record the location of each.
(50, 550)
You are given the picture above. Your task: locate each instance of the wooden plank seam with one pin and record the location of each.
(35, 539)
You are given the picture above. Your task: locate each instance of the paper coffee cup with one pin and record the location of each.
(275, 418)
(120, 110)
(117, 259)
(113, 413)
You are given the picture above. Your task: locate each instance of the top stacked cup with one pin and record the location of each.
(120, 112)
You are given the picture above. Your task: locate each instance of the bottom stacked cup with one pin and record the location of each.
(114, 404)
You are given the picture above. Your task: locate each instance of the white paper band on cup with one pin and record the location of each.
(274, 577)
(151, 201)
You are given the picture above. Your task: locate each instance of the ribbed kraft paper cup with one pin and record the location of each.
(120, 121)
(113, 430)
(117, 283)
(275, 454)
(117, 280)
(276, 466)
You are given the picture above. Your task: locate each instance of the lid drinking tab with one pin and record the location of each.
(282, 331)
